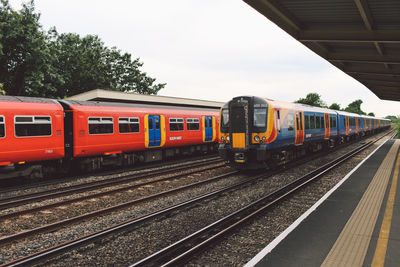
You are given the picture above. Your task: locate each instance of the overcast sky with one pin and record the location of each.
(210, 49)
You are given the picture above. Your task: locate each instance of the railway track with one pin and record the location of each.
(169, 254)
(85, 187)
(181, 251)
(147, 168)
(76, 219)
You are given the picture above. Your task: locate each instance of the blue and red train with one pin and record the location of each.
(59, 134)
(262, 133)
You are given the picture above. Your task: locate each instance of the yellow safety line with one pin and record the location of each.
(381, 247)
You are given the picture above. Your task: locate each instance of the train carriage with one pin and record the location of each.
(31, 130)
(118, 133)
(61, 134)
(261, 133)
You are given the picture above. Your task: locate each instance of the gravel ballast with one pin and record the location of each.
(237, 249)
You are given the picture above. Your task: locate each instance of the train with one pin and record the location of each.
(257, 133)
(40, 134)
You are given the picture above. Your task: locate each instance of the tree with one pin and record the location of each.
(391, 117)
(334, 106)
(355, 107)
(24, 50)
(2, 92)
(48, 64)
(397, 125)
(312, 99)
(371, 114)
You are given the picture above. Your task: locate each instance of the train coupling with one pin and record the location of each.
(239, 157)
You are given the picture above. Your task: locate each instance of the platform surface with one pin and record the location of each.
(358, 224)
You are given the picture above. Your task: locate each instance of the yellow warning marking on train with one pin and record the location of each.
(238, 140)
(381, 247)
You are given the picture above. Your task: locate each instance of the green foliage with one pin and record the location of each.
(391, 117)
(24, 50)
(355, 107)
(312, 99)
(335, 106)
(396, 126)
(2, 92)
(49, 64)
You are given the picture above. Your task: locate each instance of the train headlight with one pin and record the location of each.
(222, 138)
(227, 138)
(264, 138)
(257, 138)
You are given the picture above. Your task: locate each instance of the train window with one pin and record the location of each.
(317, 122)
(322, 122)
(312, 122)
(307, 122)
(334, 122)
(290, 122)
(175, 124)
(260, 117)
(192, 124)
(301, 121)
(297, 123)
(352, 122)
(2, 127)
(30, 126)
(128, 125)
(101, 125)
(225, 117)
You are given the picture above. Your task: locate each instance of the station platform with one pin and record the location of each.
(357, 223)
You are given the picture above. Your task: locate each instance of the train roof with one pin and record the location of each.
(316, 109)
(27, 99)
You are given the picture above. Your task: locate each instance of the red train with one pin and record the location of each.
(88, 135)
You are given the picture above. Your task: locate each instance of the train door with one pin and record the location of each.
(327, 126)
(208, 129)
(347, 125)
(299, 128)
(154, 130)
(357, 122)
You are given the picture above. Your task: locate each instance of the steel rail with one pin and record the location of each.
(52, 226)
(53, 193)
(182, 250)
(61, 248)
(100, 194)
(140, 169)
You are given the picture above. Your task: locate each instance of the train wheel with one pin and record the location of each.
(36, 175)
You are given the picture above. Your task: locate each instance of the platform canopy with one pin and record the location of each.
(360, 37)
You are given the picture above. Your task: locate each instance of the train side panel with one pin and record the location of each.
(32, 132)
(97, 129)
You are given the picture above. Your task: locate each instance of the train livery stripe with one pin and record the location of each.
(238, 140)
(214, 125)
(203, 123)
(163, 131)
(272, 132)
(146, 131)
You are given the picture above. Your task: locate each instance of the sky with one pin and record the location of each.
(210, 49)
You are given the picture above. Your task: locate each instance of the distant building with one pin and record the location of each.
(116, 96)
